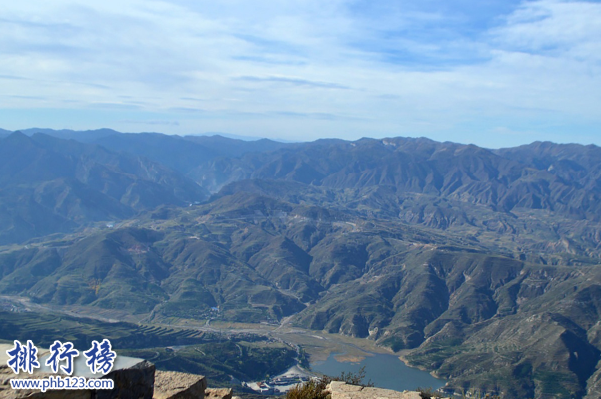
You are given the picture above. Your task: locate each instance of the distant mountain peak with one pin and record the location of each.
(17, 137)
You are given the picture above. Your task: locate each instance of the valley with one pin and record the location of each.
(481, 266)
(188, 342)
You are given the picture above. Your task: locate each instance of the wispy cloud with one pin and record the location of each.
(293, 81)
(28, 97)
(449, 70)
(152, 123)
(117, 106)
(12, 77)
(314, 115)
(193, 99)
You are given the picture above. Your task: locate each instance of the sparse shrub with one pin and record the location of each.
(428, 393)
(315, 388)
(354, 378)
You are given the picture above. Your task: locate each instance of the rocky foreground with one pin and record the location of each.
(136, 382)
(138, 378)
(342, 390)
(133, 379)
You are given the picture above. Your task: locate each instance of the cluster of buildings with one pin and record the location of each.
(277, 385)
(11, 307)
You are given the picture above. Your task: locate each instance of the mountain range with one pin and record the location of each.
(49, 185)
(481, 265)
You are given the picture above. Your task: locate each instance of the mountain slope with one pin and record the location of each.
(179, 153)
(183, 153)
(50, 185)
(172, 151)
(504, 180)
(86, 136)
(478, 317)
(480, 265)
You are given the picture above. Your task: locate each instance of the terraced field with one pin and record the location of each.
(217, 356)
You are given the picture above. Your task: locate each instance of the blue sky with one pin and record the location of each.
(493, 73)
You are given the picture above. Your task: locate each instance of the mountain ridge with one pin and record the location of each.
(481, 265)
(70, 184)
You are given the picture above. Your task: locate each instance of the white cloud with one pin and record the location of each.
(305, 67)
(568, 29)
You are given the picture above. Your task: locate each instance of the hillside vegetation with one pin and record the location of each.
(480, 265)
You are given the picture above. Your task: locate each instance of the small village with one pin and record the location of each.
(277, 385)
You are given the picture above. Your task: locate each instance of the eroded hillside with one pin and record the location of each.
(480, 265)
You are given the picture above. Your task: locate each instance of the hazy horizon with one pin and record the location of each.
(495, 74)
(281, 140)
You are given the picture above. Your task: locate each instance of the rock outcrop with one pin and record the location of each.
(175, 385)
(218, 393)
(133, 382)
(342, 390)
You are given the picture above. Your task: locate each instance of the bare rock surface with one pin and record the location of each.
(218, 393)
(342, 390)
(175, 385)
(134, 382)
